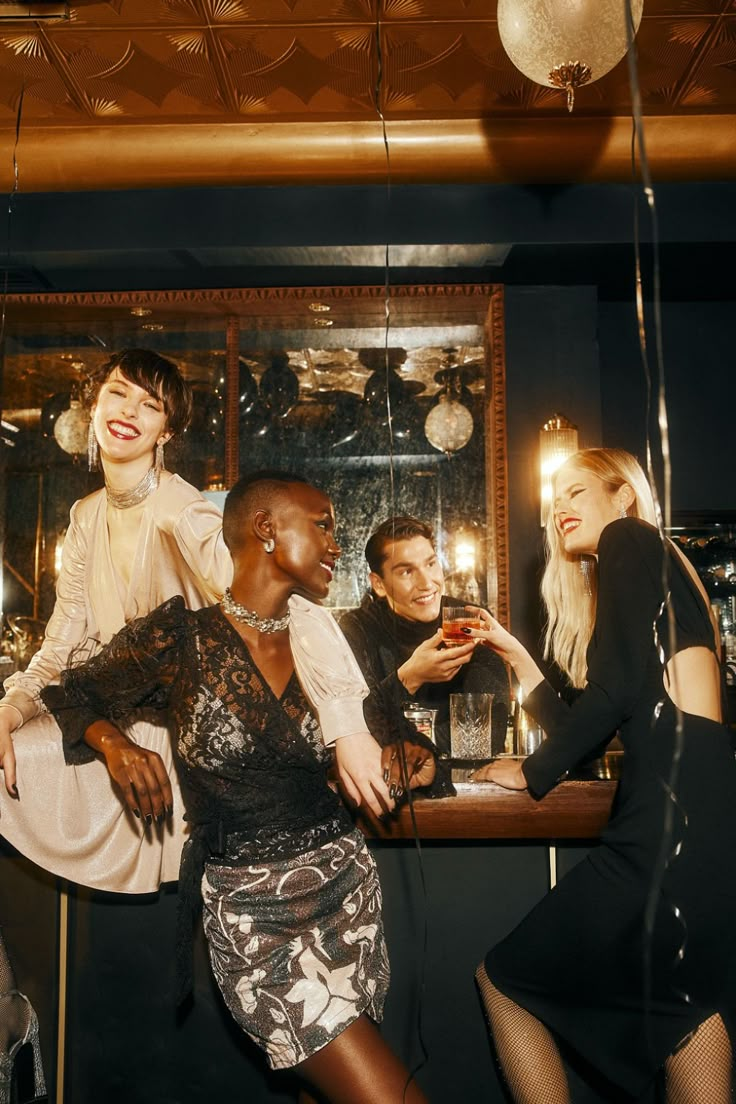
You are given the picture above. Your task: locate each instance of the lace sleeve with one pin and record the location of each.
(327, 670)
(136, 669)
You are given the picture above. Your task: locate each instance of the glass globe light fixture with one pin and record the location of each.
(449, 424)
(567, 43)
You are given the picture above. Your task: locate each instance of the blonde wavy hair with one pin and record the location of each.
(570, 581)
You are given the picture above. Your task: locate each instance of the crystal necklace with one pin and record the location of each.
(123, 500)
(250, 617)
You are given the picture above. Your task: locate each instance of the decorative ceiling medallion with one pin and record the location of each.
(689, 33)
(356, 38)
(190, 42)
(225, 9)
(398, 101)
(105, 108)
(403, 9)
(176, 10)
(252, 105)
(26, 45)
(698, 94)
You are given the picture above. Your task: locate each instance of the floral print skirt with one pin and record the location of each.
(297, 945)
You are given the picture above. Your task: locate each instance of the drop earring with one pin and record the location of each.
(585, 569)
(159, 464)
(93, 449)
(269, 545)
(623, 512)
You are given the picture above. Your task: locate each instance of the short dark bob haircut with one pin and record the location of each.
(160, 377)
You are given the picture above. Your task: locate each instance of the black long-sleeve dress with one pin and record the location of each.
(635, 947)
(292, 904)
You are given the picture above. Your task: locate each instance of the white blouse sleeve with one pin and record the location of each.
(66, 631)
(327, 670)
(197, 531)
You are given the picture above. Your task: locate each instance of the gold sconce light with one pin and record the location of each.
(558, 439)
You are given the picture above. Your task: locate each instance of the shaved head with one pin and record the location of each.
(261, 490)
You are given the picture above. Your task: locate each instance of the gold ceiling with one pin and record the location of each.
(182, 92)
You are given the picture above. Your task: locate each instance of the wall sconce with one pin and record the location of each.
(558, 439)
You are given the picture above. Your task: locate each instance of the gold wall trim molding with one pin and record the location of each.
(493, 150)
(225, 300)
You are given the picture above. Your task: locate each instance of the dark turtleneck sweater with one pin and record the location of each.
(382, 641)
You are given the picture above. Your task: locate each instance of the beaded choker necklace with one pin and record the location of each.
(123, 500)
(250, 617)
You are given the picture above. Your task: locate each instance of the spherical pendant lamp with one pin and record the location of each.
(567, 43)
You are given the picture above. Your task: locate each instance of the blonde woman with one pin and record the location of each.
(629, 962)
(146, 536)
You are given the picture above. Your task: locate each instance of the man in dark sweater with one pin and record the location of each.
(396, 636)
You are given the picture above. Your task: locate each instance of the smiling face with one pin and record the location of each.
(584, 506)
(128, 421)
(411, 579)
(303, 527)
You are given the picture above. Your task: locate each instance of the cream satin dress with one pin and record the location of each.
(69, 819)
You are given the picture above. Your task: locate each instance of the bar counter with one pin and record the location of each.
(484, 811)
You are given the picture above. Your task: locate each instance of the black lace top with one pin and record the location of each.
(252, 767)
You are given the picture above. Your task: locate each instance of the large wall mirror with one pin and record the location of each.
(393, 402)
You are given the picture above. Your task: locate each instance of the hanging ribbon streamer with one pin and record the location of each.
(671, 845)
(377, 98)
(11, 198)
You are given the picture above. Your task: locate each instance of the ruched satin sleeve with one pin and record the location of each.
(65, 640)
(327, 670)
(197, 530)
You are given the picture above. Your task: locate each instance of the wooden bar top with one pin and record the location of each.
(483, 810)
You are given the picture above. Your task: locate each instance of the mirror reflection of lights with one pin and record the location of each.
(58, 550)
(140, 312)
(464, 553)
(449, 425)
(318, 308)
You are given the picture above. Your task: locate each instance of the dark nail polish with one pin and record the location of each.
(385, 776)
(15, 791)
(466, 631)
(137, 813)
(169, 810)
(149, 819)
(392, 791)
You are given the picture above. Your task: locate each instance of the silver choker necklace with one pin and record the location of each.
(123, 500)
(249, 617)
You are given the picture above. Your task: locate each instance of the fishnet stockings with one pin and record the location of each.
(701, 1071)
(527, 1053)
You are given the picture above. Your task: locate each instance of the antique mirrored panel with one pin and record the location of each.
(393, 403)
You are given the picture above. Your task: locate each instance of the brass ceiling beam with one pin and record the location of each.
(433, 151)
